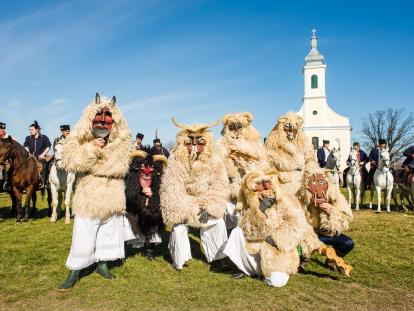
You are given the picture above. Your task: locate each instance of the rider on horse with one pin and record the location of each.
(362, 159)
(374, 157)
(65, 130)
(5, 167)
(38, 146)
(408, 164)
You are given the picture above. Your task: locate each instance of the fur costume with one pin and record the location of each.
(283, 221)
(241, 149)
(193, 183)
(341, 215)
(143, 211)
(98, 169)
(289, 151)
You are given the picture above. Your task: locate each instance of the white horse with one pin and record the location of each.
(383, 180)
(60, 181)
(333, 164)
(354, 181)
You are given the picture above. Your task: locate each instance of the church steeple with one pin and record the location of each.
(314, 71)
(314, 57)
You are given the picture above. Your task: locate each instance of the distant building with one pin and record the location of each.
(320, 121)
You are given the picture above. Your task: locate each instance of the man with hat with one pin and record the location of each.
(4, 167)
(157, 148)
(138, 143)
(323, 153)
(374, 157)
(362, 160)
(65, 130)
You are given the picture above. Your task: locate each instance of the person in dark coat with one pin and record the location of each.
(323, 153)
(39, 145)
(362, 159)
(157, 148)
(138, 143)
(408, 164)
(5, 171)
(374, 157)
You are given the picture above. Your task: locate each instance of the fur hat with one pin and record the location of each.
(140, 136)
(65, 127)
(2, 125)
(325, 141)
(156, 140)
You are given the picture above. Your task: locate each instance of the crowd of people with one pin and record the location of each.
(267, 207)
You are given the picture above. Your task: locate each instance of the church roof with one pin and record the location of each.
(314, 58)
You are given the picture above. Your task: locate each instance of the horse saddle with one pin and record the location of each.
(318, 186)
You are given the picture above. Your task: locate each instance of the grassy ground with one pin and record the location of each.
(32, 257)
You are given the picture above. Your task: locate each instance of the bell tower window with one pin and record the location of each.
(314, 82)
(315, 142)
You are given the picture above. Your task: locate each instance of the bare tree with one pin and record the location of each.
(394, 125)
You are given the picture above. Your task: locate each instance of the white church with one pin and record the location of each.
(320, 121)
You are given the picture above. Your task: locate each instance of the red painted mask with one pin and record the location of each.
(145, 178)
(102, 123)
(318, 186)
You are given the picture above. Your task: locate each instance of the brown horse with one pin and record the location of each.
(25, 175)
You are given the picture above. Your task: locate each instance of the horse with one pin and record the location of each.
(60, 181)
(2, 180)
(383, 180)
(25, 175)
(333, 163)
(403, 187)
(354, 181)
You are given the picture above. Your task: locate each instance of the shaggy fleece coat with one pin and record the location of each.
(190, 186)
(283, 221)
(100, 190)
(341, 215)
(289, 157)
(242, 152)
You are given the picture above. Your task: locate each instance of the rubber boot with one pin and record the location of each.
(73, 277)
(103, 270)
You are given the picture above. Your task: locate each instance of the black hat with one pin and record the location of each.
(355, 144)
(382, 141)
(2, 125)
(325, 141)
(140, 136)
(156, 140)
(65, 127)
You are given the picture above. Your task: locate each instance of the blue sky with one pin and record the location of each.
(198, 60)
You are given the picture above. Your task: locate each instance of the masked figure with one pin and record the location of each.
(98, 151)
(242, 152)
(142, 185)
(291, 154)
(271, 227)
(194, 193)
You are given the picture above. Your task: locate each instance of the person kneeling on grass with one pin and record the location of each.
(270, 229)
(98, 151)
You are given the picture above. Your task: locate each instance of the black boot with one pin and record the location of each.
(103, 270)
(149, 252)
(73, 277)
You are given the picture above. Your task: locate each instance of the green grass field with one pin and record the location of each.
(33, 254)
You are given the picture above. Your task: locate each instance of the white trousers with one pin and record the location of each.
(96, 240)
(213, 238)
(231, 216)
(250, 264)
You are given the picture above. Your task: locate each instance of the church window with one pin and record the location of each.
(314, 81)
(315, 142)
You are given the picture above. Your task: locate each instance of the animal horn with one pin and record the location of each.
(249, 179)
(113, 101)
(97, 98)
(184, 127)
(138, 154)
(160, 158)
(213, 124)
